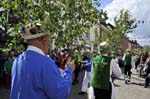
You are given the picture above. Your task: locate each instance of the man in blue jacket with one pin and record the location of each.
(87, 76)
(36, 76)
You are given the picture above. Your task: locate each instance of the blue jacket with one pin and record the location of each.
(88, 65)
(35, 76)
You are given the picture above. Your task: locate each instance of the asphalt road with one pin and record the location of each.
(133, 90)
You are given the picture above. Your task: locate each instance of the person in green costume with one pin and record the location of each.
(103, 67)
(127, 58)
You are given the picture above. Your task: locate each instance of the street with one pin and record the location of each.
(40, 38)
(133, 90)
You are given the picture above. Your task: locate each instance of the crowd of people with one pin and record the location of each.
(143, 62)
(6, 61)
(38, 74)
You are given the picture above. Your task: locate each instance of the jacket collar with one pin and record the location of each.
(36, 49)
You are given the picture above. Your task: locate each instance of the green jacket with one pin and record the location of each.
(8, 66)
(77, 58)
(128, 58)
(101, 72)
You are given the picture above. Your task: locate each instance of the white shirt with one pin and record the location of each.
(36, 49)
(115, 69)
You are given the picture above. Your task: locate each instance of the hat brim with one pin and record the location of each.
(28, 37)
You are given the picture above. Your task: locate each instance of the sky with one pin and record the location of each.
(104, 3)
(139, 9)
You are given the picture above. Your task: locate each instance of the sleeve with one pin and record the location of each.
(115, 68)
(88, 64)
(54, 85)
(124, 57)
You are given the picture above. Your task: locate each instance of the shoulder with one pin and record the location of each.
(50, 66)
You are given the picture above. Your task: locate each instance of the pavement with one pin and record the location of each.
(134, 90)
(4, 93)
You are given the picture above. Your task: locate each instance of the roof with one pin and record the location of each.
(107, 25)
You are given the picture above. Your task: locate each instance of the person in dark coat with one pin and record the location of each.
(147, 74)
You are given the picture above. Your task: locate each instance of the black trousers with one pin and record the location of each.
(102, 93)
(76, 72)
(127, 70)
(147, 80)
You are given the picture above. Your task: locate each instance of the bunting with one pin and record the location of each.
(141, 22)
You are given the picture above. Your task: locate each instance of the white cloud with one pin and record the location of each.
(139, 9)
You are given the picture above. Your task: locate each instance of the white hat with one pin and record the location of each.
(32, 30)
(103, 43)
(88, 51)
